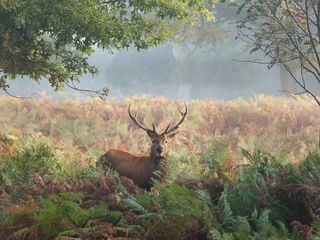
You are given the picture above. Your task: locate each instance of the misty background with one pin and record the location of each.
(205, 64)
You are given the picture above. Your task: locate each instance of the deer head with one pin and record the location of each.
(159, 140)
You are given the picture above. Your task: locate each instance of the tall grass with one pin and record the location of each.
(286, 127)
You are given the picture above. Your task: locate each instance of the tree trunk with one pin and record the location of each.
(181, 77)
(288, 84)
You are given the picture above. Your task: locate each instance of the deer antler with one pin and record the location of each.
(183, 116)
(135, 120)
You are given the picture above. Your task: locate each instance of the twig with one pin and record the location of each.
(101, 93)
(14, 96)
(293, 93)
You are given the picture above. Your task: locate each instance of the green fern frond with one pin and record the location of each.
(22, 234)
(315, 226)
(133, 205)
(225, 209)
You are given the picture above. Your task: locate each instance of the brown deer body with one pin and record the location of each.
(140, 169)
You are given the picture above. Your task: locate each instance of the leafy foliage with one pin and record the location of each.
(52, 40)
(16, 172)
(174, 211)
(59, 215)
(308, 170)
(8, 146)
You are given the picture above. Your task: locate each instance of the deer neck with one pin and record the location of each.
(157, 161)
(154, 158)
(157, 164)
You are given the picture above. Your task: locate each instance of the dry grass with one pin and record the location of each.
(285, 127)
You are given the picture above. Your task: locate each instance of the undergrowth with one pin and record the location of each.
(50, 187)
(264, 198)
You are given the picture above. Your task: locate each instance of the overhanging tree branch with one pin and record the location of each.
(53, 39)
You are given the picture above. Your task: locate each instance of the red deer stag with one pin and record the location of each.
(141, 169)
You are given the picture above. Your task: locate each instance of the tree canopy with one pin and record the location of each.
(45, 39)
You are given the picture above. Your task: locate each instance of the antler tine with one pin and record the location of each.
(167, 128)
(179, 109)
(183, 114)
(135, 120)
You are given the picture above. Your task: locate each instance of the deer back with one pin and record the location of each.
(136, 168)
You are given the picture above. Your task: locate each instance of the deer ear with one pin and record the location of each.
(171, 135)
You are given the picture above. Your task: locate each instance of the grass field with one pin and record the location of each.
(242, 169)
(287, 128)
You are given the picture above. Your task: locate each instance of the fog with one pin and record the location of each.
(175, 71)
(161, 71)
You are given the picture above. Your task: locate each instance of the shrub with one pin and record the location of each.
(59, 215)
(16, 172)
(173, 211)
